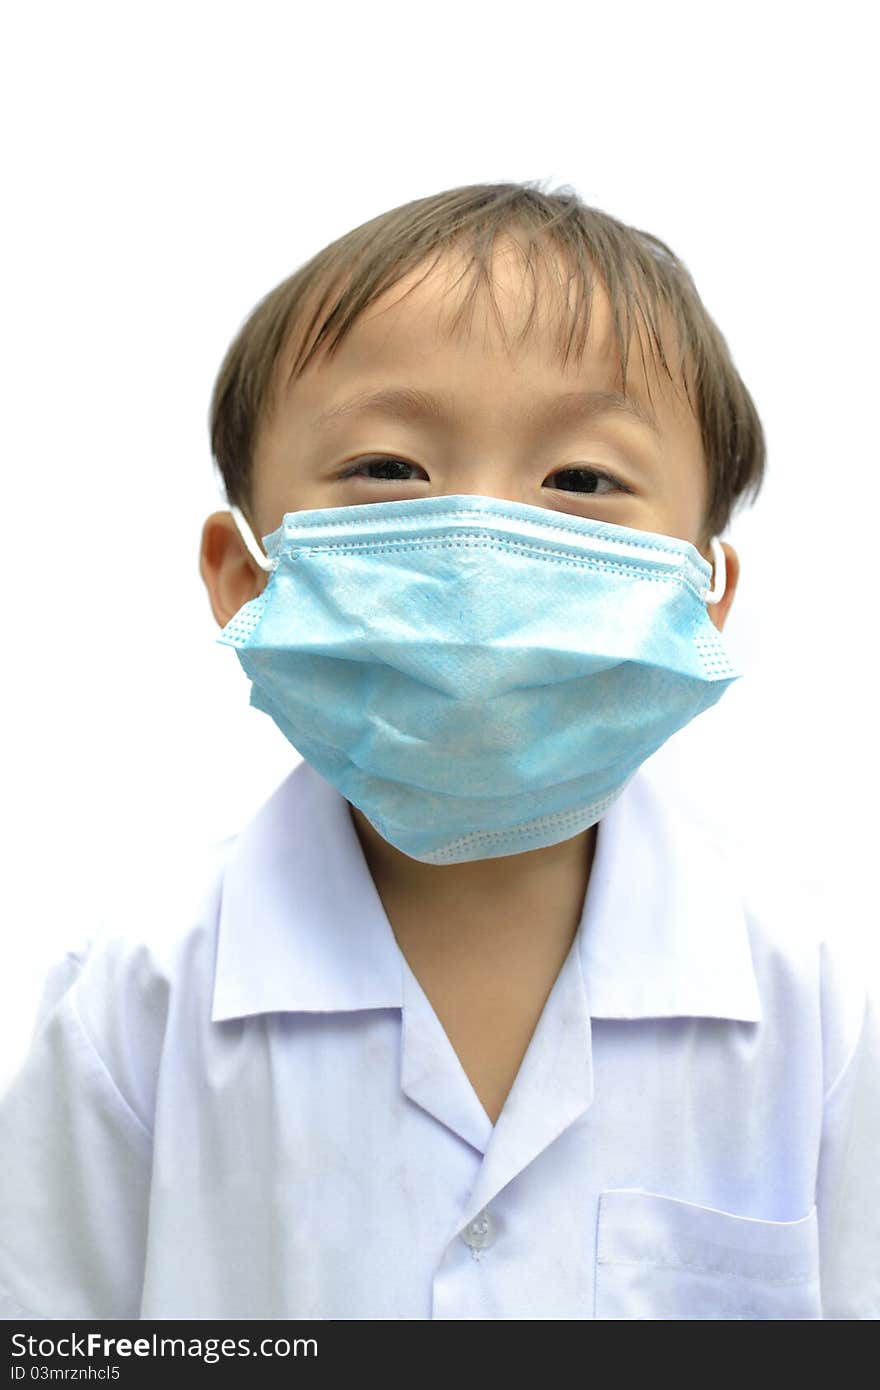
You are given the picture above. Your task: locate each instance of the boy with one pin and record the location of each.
(466, 1023)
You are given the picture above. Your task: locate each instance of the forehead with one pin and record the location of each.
(520, 307)
(510, 326)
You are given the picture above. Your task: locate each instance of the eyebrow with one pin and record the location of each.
(411, 403)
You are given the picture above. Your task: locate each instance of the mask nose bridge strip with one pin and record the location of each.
(716, 594)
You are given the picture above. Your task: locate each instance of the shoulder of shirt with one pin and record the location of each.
(803, 946)
(116, 983)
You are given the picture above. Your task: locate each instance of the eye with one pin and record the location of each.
(387, 468)
(587, 480)
(391, 469)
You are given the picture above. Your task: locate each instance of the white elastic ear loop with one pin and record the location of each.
(247, 536)
(720, 585)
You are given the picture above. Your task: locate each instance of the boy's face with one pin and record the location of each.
(500, 428)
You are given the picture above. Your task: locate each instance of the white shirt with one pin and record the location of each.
(246, 1107)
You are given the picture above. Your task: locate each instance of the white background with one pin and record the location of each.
(165, 165)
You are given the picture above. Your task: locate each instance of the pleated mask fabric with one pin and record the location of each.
(480, 677)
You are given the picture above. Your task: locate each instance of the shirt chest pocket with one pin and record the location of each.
(659, 1257)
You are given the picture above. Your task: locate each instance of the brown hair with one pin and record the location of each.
(314, 308)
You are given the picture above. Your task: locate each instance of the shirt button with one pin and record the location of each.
(479, 1234)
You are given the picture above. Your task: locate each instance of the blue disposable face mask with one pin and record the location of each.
(480, 677)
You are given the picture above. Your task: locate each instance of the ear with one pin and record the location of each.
(718, 611)
(231, 576)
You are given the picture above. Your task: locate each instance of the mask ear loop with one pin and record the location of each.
(718, 590)
(247, 536)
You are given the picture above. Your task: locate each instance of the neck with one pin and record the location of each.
(536, 894)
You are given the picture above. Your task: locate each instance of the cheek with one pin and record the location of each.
(686, 494)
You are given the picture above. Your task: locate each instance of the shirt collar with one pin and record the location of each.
(663, 930)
